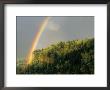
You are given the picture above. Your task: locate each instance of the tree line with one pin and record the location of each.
(71, 57)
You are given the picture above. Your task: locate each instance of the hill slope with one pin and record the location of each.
(71, 57)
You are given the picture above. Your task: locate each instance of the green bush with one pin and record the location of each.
(72, 57)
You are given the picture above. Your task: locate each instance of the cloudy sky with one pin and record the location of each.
(58, 29)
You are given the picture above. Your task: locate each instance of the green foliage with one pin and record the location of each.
(72, 57)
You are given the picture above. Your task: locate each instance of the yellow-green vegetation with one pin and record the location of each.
(71, 57)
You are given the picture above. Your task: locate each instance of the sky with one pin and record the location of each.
(59, 28)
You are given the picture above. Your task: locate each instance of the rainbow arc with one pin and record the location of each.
(42, 27)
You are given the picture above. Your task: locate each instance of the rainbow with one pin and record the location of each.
(36, 40)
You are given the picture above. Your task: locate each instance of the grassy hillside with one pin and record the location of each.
(71, 57)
